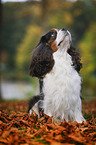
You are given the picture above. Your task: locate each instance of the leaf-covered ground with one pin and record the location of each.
(19, 128)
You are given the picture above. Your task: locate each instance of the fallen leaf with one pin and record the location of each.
(77, 138)
(3, 140)
(18, 127)
(5, 134)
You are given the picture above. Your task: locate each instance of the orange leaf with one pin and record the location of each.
(1, 122)
(5, 134)
(77, 138)
(3, 140)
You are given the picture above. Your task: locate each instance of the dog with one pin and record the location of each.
(56, 63)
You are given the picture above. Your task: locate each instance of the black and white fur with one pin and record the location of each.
(56, 63)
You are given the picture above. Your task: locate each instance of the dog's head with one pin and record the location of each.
(42, 58)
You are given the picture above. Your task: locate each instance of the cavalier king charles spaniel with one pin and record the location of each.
(56, 63)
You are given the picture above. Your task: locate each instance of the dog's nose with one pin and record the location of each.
(63, 29)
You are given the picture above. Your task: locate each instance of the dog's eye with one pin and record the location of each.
(53, 34)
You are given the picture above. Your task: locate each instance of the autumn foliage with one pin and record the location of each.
(19, 128)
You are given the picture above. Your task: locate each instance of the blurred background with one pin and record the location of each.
(22, 22)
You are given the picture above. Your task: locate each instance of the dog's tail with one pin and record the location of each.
(37, 98)
(33, 101)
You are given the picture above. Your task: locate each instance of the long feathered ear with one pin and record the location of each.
(75, 58)
(42, 60)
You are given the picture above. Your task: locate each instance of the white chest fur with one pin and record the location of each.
(62, 90)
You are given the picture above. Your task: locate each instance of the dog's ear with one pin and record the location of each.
(42, 60)
(75, 58)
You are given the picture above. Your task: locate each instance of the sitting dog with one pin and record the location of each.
(56, 63)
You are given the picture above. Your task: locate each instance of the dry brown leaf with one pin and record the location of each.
(58, 143)
(5, 134)
(24, 122)
(39, 132)
(77, 138)
(3, 140)
(1, 122)
(14, 129)
(59, 138)
(24, 144)
(37, 143)
(21, 128)
(84, 128)
(51, 126)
